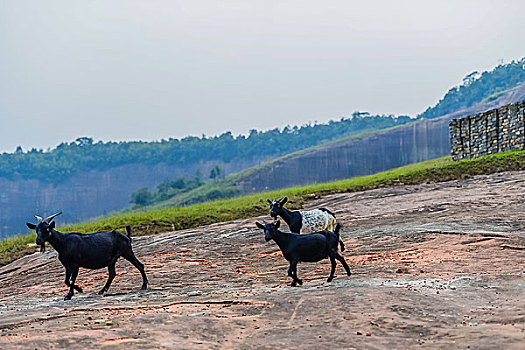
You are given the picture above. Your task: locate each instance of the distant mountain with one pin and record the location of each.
(478, 92)
(479, 88)
(364, 154)
(82, 155)
(87, 179)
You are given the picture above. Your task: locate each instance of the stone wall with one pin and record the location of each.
(494, 131)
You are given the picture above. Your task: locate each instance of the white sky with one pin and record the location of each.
(130, 70)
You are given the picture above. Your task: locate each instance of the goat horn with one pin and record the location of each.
(280, 199)
(38, 218)
(49, 218)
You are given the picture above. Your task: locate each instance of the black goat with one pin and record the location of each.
(308, 248)
(92, 251)
(304, 221)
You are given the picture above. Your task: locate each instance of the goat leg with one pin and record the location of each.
(129, 256)
(300, 281)
(68, 277)
(331, 277)
(69, 273)
(112, 274)
(292, 272)
(342, 260)
(68, 283)
(341, 243)
(74, 275)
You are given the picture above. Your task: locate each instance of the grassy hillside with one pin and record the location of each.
(477, 89)
(161, 220)
(229, 186)
(83, 155)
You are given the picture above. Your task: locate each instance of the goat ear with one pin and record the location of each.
(30, 225)
(278, 223)
(52, 225)
(269, 201)
(284, 200)
(259, 225)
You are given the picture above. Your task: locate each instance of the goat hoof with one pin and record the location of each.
(294, 284)
(102, 291)
(68, 296)
(300, 282)
(329, 280)
(79, 289)
(144, 287)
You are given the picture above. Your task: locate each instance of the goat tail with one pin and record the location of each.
(128, 230)
(336, 231)
(337, 228)
(327, 211)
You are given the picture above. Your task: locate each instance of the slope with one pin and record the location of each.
(361, 154)
(433, 266)
(177, 218)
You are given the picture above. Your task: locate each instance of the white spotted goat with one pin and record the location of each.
(304, 221)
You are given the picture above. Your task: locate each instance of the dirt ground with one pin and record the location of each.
(433, 266)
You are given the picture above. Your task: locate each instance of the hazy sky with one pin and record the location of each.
(130, 70)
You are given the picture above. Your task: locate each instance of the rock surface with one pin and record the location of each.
(437, 265)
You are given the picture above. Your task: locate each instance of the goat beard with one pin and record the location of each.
(43, 247)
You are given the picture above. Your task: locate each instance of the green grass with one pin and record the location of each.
(168, 219)
(15, 247)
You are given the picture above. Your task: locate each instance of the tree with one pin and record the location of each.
(164, 187)
(215, 173)
(179, 184)
(84, 141)
(358, 114)
(470, 78)
(198, 176)
(141, 197)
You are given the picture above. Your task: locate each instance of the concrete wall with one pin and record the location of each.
(427, 139)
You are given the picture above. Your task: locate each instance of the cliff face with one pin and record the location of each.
(405, 145)
(91, 194)
(425, 140)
